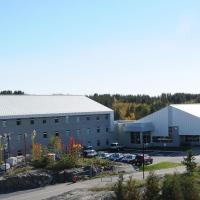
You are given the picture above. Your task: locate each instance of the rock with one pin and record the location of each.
(25, 181)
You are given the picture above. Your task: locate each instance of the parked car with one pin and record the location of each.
(88, 151)
(104, 155)
(116, 146)
(5, 165)
(12, 161)
(116, 157)
(129, 158)
(147, 159)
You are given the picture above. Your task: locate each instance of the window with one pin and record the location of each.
(135, 137)
(106, 117)
(57, 134)
(172, 130)
(147, 137)
(4, 123)
(98, 143)
(44, 121)
(18, 122)
(32, 121)
(67, 119)
(98, 130)
(107, 130)
(88, 131)
(98, 118)
(88, 118)
(78, 119)
(107, 142)
(56, 120)
(45, 135)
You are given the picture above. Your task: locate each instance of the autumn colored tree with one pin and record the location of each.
(73, 147)
(58, 144)
(36, 151)
(55, 144)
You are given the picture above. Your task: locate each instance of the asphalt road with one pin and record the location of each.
(55, 190)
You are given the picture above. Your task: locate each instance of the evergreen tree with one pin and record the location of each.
(119, 189)
(189, 162)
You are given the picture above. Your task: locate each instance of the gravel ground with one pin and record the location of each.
(84, 194)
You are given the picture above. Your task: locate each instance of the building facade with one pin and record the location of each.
(172, 126)
(87, 121)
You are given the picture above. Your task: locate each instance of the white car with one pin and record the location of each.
(3, 166)
(90, 153)
(116, 146)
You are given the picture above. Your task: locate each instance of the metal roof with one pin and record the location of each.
(193, 109)
(22, 106)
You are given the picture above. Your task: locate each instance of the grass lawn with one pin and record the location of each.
(161, 165)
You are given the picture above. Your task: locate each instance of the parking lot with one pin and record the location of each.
(166, 156)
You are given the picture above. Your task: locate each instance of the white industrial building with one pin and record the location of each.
(53, 115)
(174, 125)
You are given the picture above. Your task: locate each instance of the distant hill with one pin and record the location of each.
(137, 106)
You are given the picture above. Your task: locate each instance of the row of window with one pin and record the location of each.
(162, 139)
(56, 120)
(78, 132)
(190, 138)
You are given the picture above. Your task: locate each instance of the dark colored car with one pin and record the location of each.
(139, 159)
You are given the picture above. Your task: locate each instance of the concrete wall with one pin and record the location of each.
(83, 137)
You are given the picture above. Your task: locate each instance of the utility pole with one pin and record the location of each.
(8, 140)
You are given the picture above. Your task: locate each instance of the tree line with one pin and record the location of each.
(137, 106)
(10, 92)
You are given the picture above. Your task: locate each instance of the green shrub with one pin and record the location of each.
(152, 187)
(127, 191)
(171, 188)
(66, 162)
(41, 163)
(132, 191)
(189, 187)
(97, 162)
(119, 189)
(179, 186)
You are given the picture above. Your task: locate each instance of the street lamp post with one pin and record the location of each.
(25, 136)
(143, 155)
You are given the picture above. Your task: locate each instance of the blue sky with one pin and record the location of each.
(103, 46)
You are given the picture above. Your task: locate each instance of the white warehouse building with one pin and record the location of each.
(174, 125)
